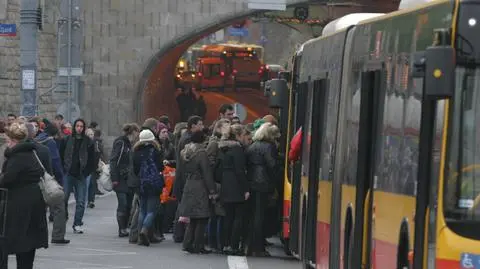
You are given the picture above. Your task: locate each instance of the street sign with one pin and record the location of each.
(268, 4)
(75, 72)
(8, 30)
(75, 111)
(240, 111)
(232, 31)
(28, 79)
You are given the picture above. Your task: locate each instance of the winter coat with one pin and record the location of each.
(234, 182)
(49, 142)
(3, 147)
(179, 181)
(295, 146)
(71, 146)
(168, 150)
(261, 166)
(26, 224)
(98, 152)
(199, 182)
(120, 163)
(212, 150)
(142, 151)
(44, 155)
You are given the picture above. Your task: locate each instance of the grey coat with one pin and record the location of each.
(199, 182)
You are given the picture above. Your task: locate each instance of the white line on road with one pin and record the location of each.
(237, 262)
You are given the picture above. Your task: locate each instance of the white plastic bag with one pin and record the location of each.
(104, 182)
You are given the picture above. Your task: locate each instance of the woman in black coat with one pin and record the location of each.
(234, 185)
(26, 224)
(262, 175)
(119, 173)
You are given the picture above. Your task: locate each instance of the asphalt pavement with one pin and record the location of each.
(101, 248)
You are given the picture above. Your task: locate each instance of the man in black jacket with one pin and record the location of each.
(77, 155)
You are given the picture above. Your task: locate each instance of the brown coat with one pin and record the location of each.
(199, 182)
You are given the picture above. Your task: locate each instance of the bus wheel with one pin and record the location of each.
(403, 246)
(348, 242)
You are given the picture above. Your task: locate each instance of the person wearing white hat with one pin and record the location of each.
(147, 165)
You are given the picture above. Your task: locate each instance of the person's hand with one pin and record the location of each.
(247, 195)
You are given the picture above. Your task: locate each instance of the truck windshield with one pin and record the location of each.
(462, 188)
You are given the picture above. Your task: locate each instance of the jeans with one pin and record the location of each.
(92, 186)
(80, 185)
(124, 207)
(134, 212)
(214, 232)
(59, 221)
(87, 193)
(148, 210)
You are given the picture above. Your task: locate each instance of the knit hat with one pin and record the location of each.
(258, 123)
(146, 135)
(161, 126)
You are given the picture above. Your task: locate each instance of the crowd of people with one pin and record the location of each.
(222, 172)
(198, 183)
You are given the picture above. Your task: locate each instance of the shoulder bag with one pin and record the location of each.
(52, 192)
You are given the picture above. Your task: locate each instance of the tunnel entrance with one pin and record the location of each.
(157, 92)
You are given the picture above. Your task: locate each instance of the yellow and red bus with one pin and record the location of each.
(237, 66)
(388, 178)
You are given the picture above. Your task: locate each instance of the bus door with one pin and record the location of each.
(371, 112)
(317, 126)
(295, 171)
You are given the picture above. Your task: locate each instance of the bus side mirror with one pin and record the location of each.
(440, 72)
(437, 66)
(278, 94)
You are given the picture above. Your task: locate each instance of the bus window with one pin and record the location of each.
(462, 189)
(215, 70)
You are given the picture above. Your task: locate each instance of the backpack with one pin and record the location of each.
(151, 181)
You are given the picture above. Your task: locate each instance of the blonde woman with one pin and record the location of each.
(261, 174)
(26, 223)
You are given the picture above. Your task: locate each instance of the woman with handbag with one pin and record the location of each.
(119, 173)
(26, 223)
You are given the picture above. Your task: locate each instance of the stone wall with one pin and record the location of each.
(10, 96)
(120, 37)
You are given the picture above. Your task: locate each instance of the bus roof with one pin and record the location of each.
(346, 21)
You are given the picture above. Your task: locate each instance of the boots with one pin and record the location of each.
(122, 225)
(143, 238)
(154, 239)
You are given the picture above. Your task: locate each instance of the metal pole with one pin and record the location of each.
(28, 56)
(69, 63)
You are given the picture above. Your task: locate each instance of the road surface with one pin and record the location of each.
(254, 101)
(100, 248)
